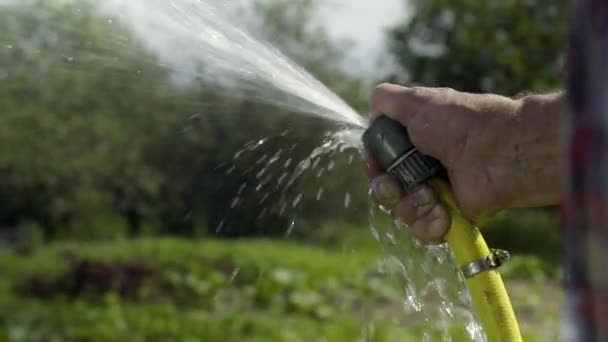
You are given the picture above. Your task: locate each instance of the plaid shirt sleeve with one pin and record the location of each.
(585, 203)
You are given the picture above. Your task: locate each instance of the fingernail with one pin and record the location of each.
(422, 210)
(385, 193)
(422, 197)
(433, 227)
(438, 223)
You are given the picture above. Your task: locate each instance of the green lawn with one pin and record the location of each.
(208, 290)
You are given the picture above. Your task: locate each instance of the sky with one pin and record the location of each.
(364, 22)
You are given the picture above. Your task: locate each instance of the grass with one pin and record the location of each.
(158, 289)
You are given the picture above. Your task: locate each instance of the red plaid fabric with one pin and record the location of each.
(585, 204)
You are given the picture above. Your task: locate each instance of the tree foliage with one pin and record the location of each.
(506, 46)
(97, 140)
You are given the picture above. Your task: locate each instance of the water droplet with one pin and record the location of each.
(262, 213)
(275, 157)
(319, 193)
(290, 228)
(194, 116)
(248, 170)
(235, 272)
(447, 309)
(219, 227)
(231, 170)
(296, 201)
(304, 164)
(241, 188)
(260, 173)
(264, 198)
(347, 200)
(290, 183)
(235, 202)
(287, 163)
(238, 154)
(261, 159)
(375, 233)
(282, 178)
(391, 238)
(331, 165)
(411, 302)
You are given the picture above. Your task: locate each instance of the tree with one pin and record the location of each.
(482, 46)
(96, 138)
(69, 155)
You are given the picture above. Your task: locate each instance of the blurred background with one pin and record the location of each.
(124, 208)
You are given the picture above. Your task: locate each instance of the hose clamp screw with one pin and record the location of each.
(490, 262)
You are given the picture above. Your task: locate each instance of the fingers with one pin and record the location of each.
(387, 191)
(432, 226)
(424, 213)
(415, 205)
(420, 209)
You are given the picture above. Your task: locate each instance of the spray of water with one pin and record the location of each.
(318, 165)
(434, 291)
(198, 40)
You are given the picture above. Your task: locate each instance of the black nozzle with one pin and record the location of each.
(388, 142)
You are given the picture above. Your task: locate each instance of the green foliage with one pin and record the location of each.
(527, 231)
(507, 46)
(69, 147)
(204, 291)
(97, 140)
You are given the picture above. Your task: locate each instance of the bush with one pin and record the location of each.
(166, 289)
(527, 231)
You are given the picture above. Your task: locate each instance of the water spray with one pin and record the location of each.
(388, 142)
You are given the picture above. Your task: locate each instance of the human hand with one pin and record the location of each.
(498, 152)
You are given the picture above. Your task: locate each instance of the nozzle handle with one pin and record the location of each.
(389, 143)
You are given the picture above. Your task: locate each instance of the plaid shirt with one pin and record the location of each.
(585, 204)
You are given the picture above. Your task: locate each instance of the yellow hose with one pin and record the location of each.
(490, 299)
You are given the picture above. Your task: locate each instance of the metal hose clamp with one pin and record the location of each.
(492, 261)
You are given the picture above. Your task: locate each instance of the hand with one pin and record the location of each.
(499, 153)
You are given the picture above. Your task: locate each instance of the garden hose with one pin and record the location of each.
(387, 141)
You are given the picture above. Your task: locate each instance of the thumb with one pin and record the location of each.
(410, 107)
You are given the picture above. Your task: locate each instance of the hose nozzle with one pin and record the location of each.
(388, 142)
